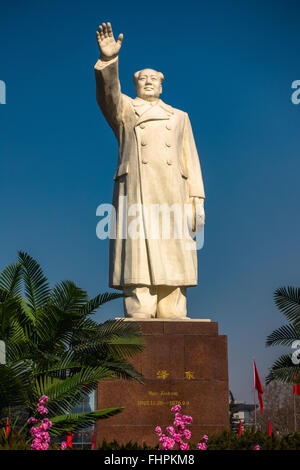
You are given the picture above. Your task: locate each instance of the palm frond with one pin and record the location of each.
(35, 283)
(287, 300)
(118, 328)
(15, 382)
(60, 367)
(117, 338)
(54, 327)
(10, 314)
(93, 304)
(117, 348)
(68, 297)
(65, 394)
(124, 370)
(11, 279)
(284, 336)
(18, 349)
(76, 421)
(283, 369)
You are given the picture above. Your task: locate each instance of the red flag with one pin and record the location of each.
(93, 439)
(270, 428)
(296, 387)
(258, 387)
(69, 440)
(240, 429)
(7, 428)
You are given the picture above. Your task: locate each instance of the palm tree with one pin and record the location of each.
(55, 348)
(285, 369)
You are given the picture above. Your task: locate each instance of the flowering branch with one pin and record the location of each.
(174, 435)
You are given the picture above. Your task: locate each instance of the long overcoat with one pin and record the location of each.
(158, 166)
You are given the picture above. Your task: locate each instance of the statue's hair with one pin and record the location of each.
(136, 75)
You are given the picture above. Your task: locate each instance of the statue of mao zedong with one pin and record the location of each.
(159, 173)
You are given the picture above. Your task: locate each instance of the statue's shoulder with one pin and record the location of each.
(178, 112)
(127, 99)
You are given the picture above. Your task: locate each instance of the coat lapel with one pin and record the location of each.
(146, 112)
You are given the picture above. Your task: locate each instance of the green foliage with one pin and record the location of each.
(227, 440)
(290, 442)
(20, 445)
(288, 302)
(114, 445)
(54, 347)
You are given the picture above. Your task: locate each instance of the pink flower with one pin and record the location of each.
(178, 416)
(187, 419)
(158, 430)
(170, 430)
(205, 438)
(32, 420)
(181, 428)
(176, 408)
(43, 399)
(171, 443)
(37, 440)
(42, 410)
(177, 438)
(201, 446)
(63, 445)
(257, 447)
(36, 446)
(48, 422)
(177, 422)
(184, 446)
(44, 426)
(34, 431)
(187, 434)
(168, 443)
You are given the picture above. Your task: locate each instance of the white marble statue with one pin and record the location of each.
(158, 166)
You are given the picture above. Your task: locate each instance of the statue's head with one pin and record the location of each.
(148, 84)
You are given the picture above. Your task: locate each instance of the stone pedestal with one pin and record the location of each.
(183, 362)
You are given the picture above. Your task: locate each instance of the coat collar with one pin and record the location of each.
(147, 112)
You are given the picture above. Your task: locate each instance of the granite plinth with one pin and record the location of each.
(183, 362)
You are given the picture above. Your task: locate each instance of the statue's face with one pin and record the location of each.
(148, 85)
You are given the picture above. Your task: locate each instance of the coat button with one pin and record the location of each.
(169, 127)
(169, 162)
(143, 144)
(144, 161)
(168, 144)
(142, 125)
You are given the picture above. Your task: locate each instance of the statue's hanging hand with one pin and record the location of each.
(109, 48)
(198, 213)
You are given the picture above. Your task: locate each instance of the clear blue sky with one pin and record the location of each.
(230, 65)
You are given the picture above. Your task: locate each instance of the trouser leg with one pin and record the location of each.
(171, 302)
(141, 302)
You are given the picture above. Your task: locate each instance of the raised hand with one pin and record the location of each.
(109, 48)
